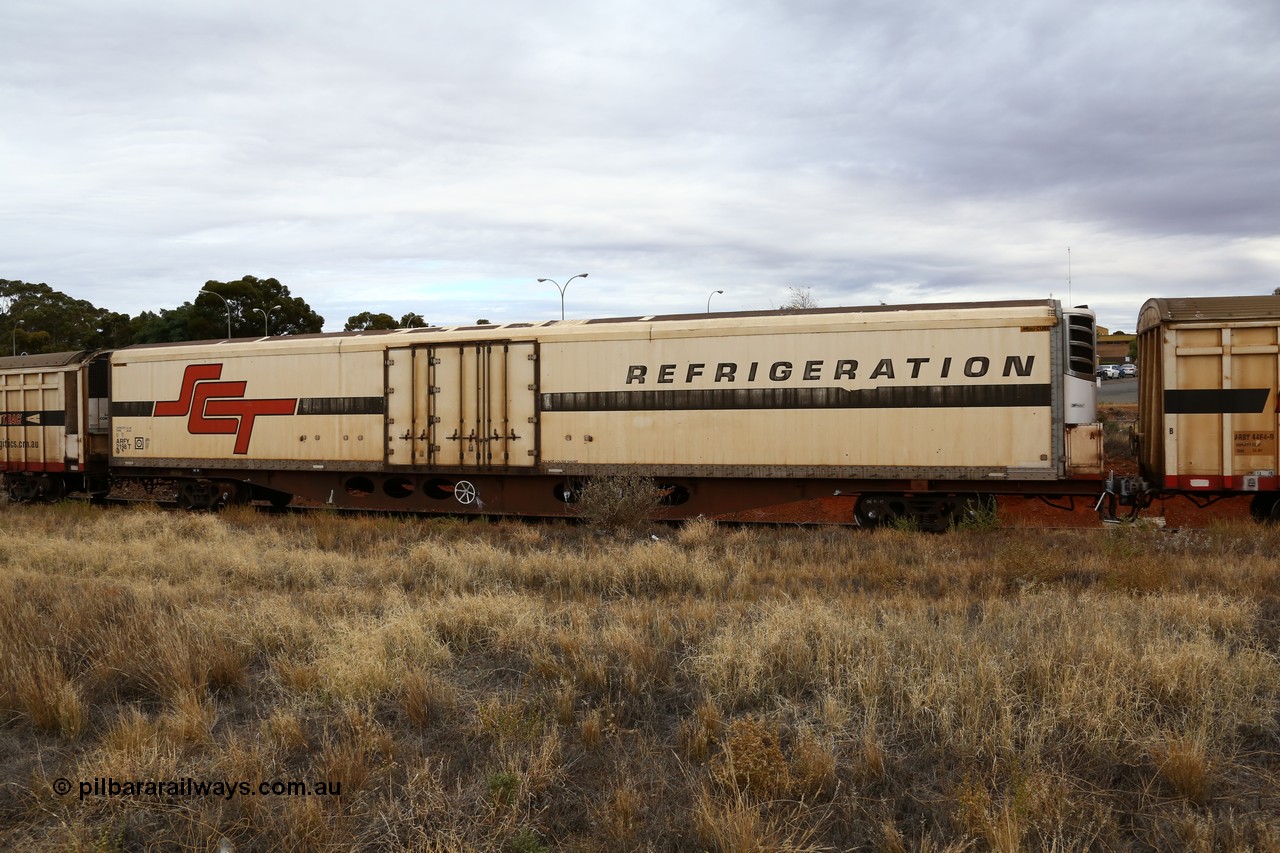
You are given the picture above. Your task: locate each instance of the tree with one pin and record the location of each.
(169, 325)
(367, 320)
(41, 319)
(413, 321)
(799, 299)
(206, 316)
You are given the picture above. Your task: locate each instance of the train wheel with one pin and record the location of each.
(52, 489)
(20, 489)
(933, 513)
(873, 511)
(232, 492)
(207, 495)
(1265, 508)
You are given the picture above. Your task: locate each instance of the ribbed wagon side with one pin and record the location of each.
(1209, 372)
(53, 425)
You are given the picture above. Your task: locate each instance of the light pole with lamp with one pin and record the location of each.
(225, 302)
(712, 293)
(562, 289)
(265, 315)
(15, 335)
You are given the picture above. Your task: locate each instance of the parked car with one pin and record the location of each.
(1107, 371)
(1127, 370)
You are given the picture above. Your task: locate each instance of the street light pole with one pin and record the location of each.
(712, 293)
(562, 289)
(265, 315)
(225, 302)
(15, 335)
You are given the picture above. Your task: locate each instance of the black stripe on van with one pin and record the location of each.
(132, 408)
(342, 405)
(1216, 401)
(48, 417)
(889, 397)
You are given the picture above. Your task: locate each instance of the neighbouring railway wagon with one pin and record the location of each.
(1207, 394)
(53, 412)
(916, 408)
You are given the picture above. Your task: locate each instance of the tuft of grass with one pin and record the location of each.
(37, 687)
(286, 731)
(618, 503)
(1184, 764)
(752, 761)
(698, 532)
(735, 824)
(504, 787)
(622, 814)
(427, 699)
(979, 514)
(591, 729)
(813, 767)
(526, 841)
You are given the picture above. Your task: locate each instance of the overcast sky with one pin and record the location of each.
(440, 157)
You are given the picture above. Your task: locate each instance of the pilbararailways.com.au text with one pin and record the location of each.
(106, 786)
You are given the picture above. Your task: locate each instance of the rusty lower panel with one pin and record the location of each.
(544, 495)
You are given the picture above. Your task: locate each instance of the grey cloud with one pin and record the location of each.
(868, 149)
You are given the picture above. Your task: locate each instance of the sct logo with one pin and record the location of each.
(219, 408)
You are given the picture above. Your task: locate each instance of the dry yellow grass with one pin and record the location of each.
(526, 687)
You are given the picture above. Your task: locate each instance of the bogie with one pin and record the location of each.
(931, 512)
(210, 494)
(35, 488)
